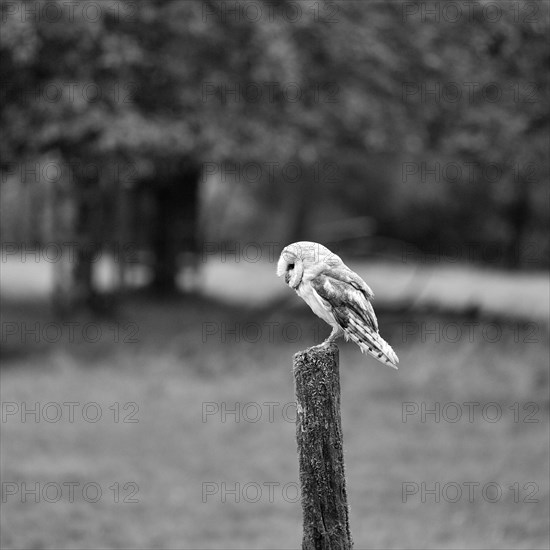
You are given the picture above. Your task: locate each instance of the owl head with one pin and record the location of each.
(301, 256)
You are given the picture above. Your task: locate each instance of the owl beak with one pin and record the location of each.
(287, 277)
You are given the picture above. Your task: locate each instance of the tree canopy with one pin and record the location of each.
(433, 123)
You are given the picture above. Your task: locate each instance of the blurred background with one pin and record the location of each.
(156, 156)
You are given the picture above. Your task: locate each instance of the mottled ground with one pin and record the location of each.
(210, 467)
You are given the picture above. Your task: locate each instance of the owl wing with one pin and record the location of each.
(345, 274)
(348, 296)
(345, 291)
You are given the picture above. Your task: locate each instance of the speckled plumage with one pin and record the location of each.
(337, 295)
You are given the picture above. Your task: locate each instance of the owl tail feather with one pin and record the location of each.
(372, 343)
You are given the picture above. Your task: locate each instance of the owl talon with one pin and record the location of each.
(325, 344)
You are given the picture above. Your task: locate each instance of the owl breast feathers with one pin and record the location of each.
(337, 295)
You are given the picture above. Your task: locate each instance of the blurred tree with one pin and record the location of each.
(155, 92)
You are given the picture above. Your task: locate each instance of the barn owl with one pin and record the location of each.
(337, 295)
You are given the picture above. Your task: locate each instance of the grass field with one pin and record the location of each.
(186, 372)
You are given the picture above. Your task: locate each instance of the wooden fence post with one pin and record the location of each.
(320, 449)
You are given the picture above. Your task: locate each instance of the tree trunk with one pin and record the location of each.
(176, 224)
(518, 214)
(73, 287)
(165, 251)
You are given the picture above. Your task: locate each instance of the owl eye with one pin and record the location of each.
(290, 266)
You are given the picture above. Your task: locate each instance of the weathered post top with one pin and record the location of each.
(320, 449)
